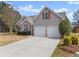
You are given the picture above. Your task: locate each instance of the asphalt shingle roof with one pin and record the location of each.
(31, 18)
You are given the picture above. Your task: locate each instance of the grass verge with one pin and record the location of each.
(9, 38)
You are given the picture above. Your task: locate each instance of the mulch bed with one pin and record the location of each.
(70, 48)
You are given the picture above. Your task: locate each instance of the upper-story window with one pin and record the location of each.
(46, 15)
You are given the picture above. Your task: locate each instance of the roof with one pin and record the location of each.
(21, 19)
(31, 18)
(62, 14)
(75, 24)
(50, 10)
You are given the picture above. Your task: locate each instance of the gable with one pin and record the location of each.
(23, 22)
(29, 19)
(53, 18)
(46, 9)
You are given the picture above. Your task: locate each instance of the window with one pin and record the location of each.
(46, 15)
(25, 28)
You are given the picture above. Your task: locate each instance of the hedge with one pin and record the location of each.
(71, 40)
(74, 40)
(67, 41)
(24, 33)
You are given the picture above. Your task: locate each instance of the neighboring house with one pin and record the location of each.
(75, 27)
(45, 24)
(3, 27)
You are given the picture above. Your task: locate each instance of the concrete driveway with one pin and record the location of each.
(30, 47)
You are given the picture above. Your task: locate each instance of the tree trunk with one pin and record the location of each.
(10, 29)
(15, 30)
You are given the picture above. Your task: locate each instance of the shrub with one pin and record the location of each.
(74, 40)
(64, 28)
(24, 33)
(67, 41)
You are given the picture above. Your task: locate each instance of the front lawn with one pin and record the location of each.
(58, 52)
(6, 38)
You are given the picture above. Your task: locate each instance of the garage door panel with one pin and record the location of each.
(52, 31)
(39, 31)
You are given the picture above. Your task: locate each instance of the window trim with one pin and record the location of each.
(46, 13)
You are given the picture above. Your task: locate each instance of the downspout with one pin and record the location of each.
(46, 29)
(46, 32)
(32, 30)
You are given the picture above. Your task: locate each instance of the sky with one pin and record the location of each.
(29, 8)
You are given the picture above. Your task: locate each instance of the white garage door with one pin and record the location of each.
(39, 31)
(52, 31)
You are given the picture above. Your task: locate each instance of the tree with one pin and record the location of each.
(2, 4)
(76, 15)
(9, 16)
(64, 27)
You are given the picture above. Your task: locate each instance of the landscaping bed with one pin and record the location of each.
(60, 52)
(67, 50)
(6, 38)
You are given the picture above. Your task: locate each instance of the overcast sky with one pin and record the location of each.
(29, 8)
